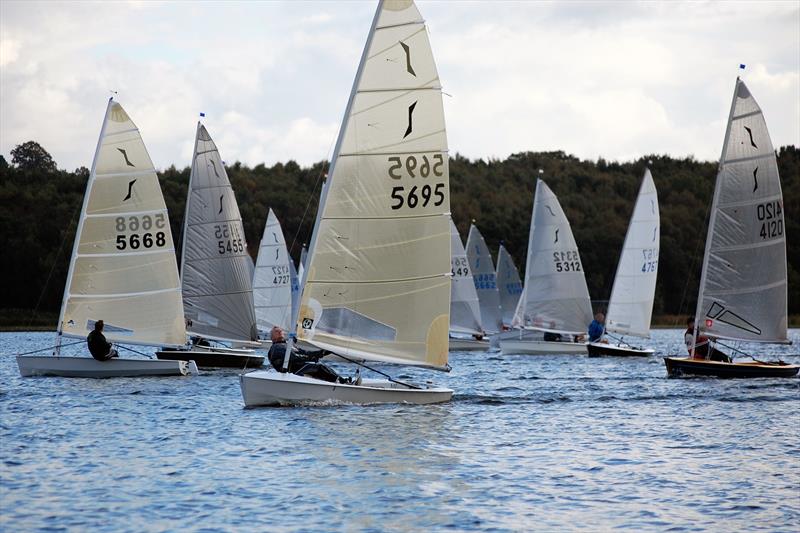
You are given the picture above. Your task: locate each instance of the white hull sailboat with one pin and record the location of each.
(377, 283)
(554, 309)
(216, 279)
(87, 367)
(743, 284)
(122, 269)
(509, 286)
(630, 307)
(466, 331)
(483, 276)
(266, 388)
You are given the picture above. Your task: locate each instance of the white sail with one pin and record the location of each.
(465, 313)
(123, 269)
(272, 284)
(555, 296)
(630, 307)
(743, 284)
(509, 285)
(483, 274)
(295, 280)
(217, 286)
(378, 274)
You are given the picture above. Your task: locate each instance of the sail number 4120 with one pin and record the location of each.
(770, 214)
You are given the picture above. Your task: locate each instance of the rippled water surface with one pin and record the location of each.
(528, 443)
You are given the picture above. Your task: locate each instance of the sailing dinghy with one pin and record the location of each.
(554, 310)
(630, 307)
(377, 281)
(483, 275)
(509, 285)
(215, 274)
(122, 269)
(744, 281)
(466, 332)
(272, 283)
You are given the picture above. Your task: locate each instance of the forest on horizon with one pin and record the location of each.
(41, 204)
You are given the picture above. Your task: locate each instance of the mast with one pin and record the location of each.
(712, 218)
(81, 219)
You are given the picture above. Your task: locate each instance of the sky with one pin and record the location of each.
(616, 80)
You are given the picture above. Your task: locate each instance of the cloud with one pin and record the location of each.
(616, 80)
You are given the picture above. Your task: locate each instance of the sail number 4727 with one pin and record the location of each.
(414, 166)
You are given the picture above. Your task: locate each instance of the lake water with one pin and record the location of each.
(528, 443)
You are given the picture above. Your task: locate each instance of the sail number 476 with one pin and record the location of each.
(414, 166)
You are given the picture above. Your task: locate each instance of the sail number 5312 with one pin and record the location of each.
(414, 166)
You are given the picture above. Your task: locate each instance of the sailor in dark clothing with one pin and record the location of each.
(301, 362)
(98, 346)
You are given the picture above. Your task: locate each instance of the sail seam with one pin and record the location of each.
(403, 280)
(400, 24)
(125, 294)
(746, 290)
(745, 159)
(750, 201)
(403, 92)
(107, 135)
(128, 213)
(404, 89)
(410, 35)
(745, 115)
(361, 154)
(128, 254)
(388, 217)
(120, 174)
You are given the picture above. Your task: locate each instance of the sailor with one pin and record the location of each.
(98, 346)
(596, 328)
(702, 349)
(301, 362)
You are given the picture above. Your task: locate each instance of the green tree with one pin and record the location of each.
(32, 156)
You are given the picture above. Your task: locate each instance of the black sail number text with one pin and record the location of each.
(229, 239)
(280, 275)
(419, 194)
(568, 261)
(140, 232)
(770, 216)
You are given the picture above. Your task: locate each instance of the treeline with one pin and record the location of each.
(41, 204)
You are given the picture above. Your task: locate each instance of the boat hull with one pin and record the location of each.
(469, 345)
(682, 366)
(600, 349)
(87, 367)
(270, 388)
(222, 349)
(213, 359)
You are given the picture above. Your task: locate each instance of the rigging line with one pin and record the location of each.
(52, 347)
(384, 374)
(134, 351)
(53, 266)
(716, 341)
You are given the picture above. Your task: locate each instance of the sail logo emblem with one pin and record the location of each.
(125, 155)
(130, 190)
(220, 203)
(755, 179)
(410, 127)
(750, 133)
(307, 323)
(407, 50)
(214, 166)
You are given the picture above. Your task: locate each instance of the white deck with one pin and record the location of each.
(88, 367)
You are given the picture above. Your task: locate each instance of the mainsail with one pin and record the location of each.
(217, 287)
(465, 313)
(123, 269)
(272, 283)
(631, 304)
(509, 285)
(378, 274)
(483, 274)
(555, 297)
(743, 284)
(295, 280)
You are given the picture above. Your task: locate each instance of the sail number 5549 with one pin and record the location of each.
(416, 166)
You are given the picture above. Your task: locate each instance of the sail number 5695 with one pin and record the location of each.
(417, 166)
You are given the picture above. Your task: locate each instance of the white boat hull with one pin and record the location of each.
(530, 342)
(468, 345)
(87, 367)
(263, 388)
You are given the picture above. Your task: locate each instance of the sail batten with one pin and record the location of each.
(555, 296)
(377, 280)
(743, 284)
(215, 273)
(123, 269)
(630, 307)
